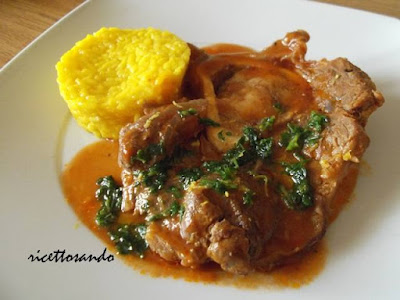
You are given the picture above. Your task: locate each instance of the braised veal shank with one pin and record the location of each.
(236, 181)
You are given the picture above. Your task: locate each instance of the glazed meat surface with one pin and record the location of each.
(246, 175)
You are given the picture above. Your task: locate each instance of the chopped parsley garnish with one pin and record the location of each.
(315, 126)
(221, 135)
(248, 197)
(222, 168)
(295, 137)
(189, 175)
(145, 206)
(220, 175)
(188, 112)
(175, 191)
(129, 239)
(236, 156)
(155, 217)
(250, 134)
(208, 122)
(300, 196)
(155, 176)
(266, 123)
(317, 121)
(181, 211)
(110, 195)
(262, 147)
(219, 185)
(249, 148)
(278, 106)
(146, 154)
(174, 210)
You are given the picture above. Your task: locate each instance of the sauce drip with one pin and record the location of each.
(100, 159)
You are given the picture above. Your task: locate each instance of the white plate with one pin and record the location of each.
(36, 138)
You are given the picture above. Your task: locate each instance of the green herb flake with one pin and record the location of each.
(188, 112)
(145, 206)
(292, 138)
(317, 121)
(174, 210)
(295, 137)
(261, 147)
(155, 217)
(110, 195)
(129, 239)
(175, 191)
(221, 135)
(151, 151)
(250, 134)
(181, 212)
(315, 126)
(219, 185)
(278, 106)
(267, 123)
(208, 122)
(189, 175)
(226, 170)
(248, 197)
(264, 148)
(237, 155)
(156, 176)
(300, 197)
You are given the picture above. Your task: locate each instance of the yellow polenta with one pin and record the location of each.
(110, 76)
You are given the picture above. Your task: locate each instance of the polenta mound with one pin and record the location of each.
(108, 78)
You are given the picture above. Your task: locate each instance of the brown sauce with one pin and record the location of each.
(344, 193)
(100, 159)
(227, 48)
